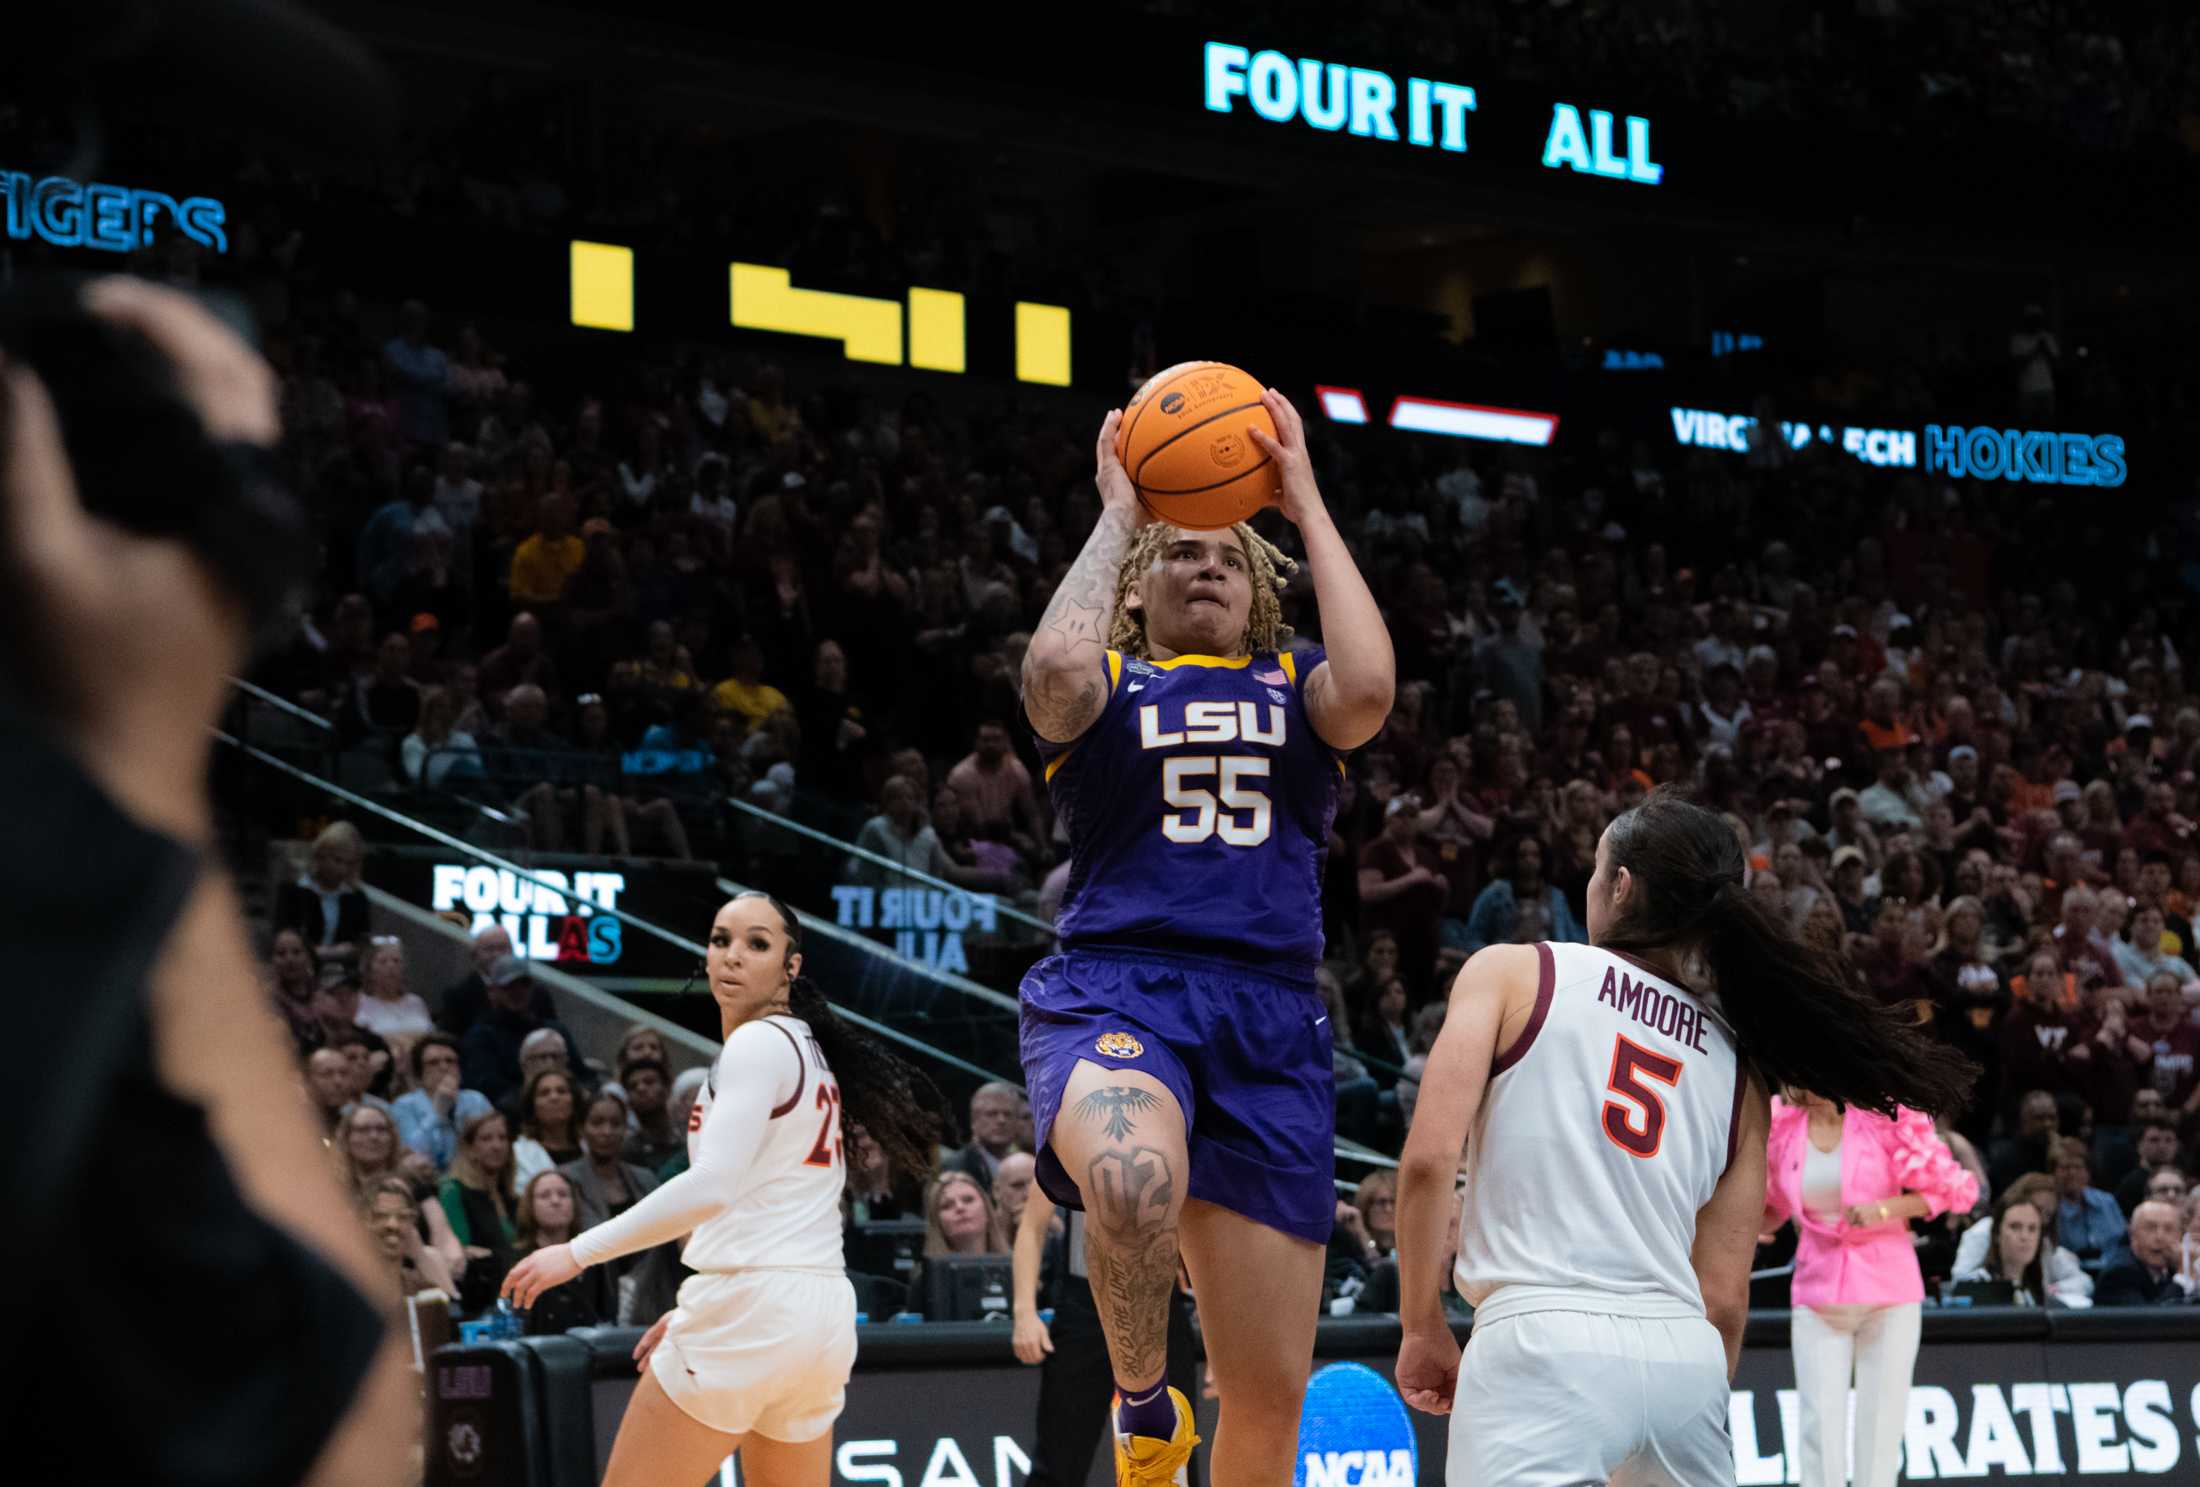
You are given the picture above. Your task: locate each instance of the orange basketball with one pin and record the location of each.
(1184, 445)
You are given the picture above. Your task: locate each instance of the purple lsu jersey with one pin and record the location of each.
(1198, 806)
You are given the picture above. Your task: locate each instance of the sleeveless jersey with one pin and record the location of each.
(787, 1212)
(1602, 1133)
(1198, 807)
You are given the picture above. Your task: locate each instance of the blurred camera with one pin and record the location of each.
(141, 455)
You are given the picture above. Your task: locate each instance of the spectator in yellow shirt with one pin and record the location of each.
(545, 563)
(745, 694)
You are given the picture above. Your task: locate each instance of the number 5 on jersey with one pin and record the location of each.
(1640, 1130)
(826, 1153)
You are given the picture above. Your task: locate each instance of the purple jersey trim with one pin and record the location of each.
(1546, 981)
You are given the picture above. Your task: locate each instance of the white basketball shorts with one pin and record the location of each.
(1570, 1399)
(760, 1351)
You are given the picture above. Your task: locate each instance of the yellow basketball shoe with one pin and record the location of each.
(1143, 1460)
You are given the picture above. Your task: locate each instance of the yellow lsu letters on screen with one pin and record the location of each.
(928, 334)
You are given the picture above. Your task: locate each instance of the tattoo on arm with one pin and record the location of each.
(1062, 690)
(1314, 691)
(1113, 1108)
(1077, 624)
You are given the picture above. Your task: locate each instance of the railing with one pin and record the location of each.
(567, 768)
(877, 859)
(634, 921)
(282, 704)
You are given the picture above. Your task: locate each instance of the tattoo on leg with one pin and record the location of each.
(1131, 1254)
(1115, 1106)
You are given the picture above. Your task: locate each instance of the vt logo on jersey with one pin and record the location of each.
(1211, 723)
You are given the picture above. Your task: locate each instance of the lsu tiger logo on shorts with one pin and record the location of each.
(1119, 1045)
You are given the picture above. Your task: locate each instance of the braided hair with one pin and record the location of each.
(889, 1097)
(1265, 630)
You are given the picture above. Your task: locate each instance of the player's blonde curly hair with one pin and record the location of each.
(1265, 630)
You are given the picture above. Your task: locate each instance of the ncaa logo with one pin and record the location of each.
(1171, 401)
(1354, 1432)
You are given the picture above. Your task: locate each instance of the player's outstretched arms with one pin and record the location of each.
(1064, 677)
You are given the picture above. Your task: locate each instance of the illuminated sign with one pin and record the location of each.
(1331, 96)
(925, 332)
(1354, 1432)
(928, 923)
(116, 219)
(1370, 103)
(1418, 415)
(1342, 404)
(1618, 360)
(2032, 456)
(1888, 448)
(1729, 342)
(1566, 147)
(1473, 421)
(542, 923)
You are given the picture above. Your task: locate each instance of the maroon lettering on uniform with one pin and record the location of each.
(1654, 1009)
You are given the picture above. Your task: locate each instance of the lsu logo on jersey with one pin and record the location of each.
(1212, 723)
(1118, 1045)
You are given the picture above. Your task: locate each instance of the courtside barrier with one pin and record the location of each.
(2000, 1394)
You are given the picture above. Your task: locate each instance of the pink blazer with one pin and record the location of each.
(1838, 1264)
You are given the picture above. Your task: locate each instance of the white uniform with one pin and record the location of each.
(1602, 1133)
(764, 1337)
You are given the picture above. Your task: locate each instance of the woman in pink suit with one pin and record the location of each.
(1852, 1182)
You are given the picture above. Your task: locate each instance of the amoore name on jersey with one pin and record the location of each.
(1211, 723)
(1653, 1008)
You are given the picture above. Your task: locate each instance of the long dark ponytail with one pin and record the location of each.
(887, 1095)
(1800, 1015)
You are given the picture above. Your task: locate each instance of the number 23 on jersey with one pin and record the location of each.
(826, 1152)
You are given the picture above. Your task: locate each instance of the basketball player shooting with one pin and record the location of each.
(1176, 1051)
(1611, 1099)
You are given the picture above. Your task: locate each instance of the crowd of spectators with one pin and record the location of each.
(1952, 722)
(484, 1135)
(1971, 771)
